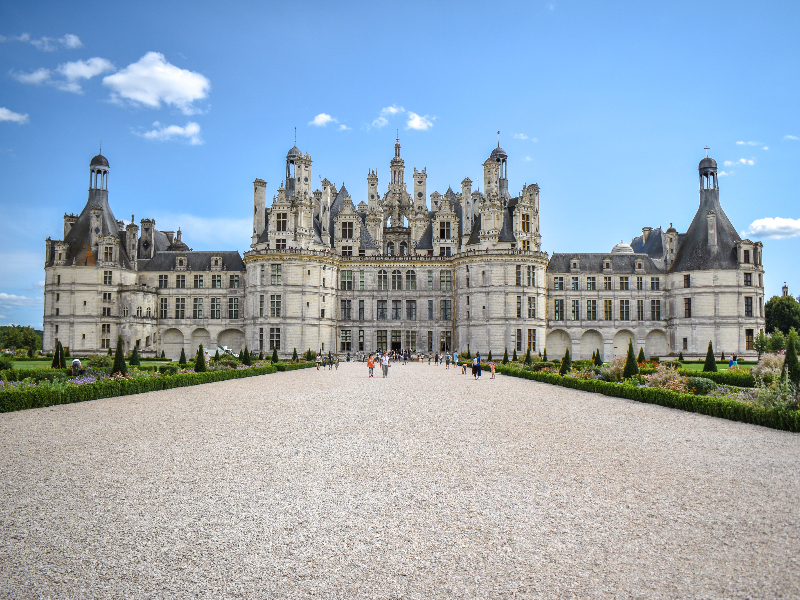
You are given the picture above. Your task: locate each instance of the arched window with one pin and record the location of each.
(124, 311)
(403, 248)
(138, 311)
(411, 280)
(383, 280)
(397, 280)
(148, 311)
(390, 248)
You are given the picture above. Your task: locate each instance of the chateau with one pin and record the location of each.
(464, 270)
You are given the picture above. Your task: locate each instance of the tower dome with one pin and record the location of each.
(707, 163)
(498, 154)
(99, 161)
(294, 153)
(622, 248)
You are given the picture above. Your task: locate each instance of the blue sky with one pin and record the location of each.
(607, 106)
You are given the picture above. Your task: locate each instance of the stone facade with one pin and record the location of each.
(401, 270)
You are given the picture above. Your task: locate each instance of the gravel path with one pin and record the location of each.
(424, 485)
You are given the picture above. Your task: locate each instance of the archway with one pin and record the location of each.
(172, 343)
(201, 336)
(655, 344)
(621, 340)
(233, 339)
(390, 248)
(557, 343)
(591, 340)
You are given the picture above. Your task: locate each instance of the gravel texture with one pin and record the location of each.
(427, 484)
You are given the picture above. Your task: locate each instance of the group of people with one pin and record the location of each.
(329, 361)
(384, 359)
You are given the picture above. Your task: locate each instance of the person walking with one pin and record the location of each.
(429, 359)
(370, 364)
(492, 366)
(385, 365)
(478, 363)
(474, 367)
(447, 361)
(464, 368)
(319, 361)
(336, 362)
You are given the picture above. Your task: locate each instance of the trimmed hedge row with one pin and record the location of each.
(34, 397)
(37, 374)
(776, 418)
(737, 378)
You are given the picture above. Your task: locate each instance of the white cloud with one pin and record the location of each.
(322, 119)
(520, 136)
(791, 137)
(740, 162)
(765, 148)
(47, 44)
(71, 41)
(38, 77)
(7, 300)
(527, 159)
(725, 173)
(749, 143)
(9, 115)
(344, 127)
(419, 122)
(80, 69)
(776, 228)
(152, 80)
(164, 133)
(387, 111)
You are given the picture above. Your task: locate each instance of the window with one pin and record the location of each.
(430, 341)
(640, 310)
(531, 275)
(281, 222)
(748, 279)
(106, 297)
(760, 281)
(640, 283)
(446, 279)
(532, 340)
(526, 223)
(623, 283)
(180, 281)
(444, 230)
(519, 274)
(575, 284)
(163, 281)
(687, 307)
(397, 339)
(275, 273)
(430, 310)
(233, 308)
(180, 308)
(397, 280)
(346, 280)
(347, 230)
(526, 245)
(519, 340)
(558, 310)
(382, 310)
(360, 310)
(430, 280)
(608, 310)
(445, 341)
(576, 310)
(163, 309)
(347, 251)
(655, 283)
(655, 310)
(138, 311)
(607, 283)
(197, 308)
(382, 340)
(558, 283)
(531, 307)
(216, 281)
(383, 280)
(624, 310)
(685, 343)
(361, 280)
(106, 311)
(361, 340)
(591, 310)
(346, 309)
(261, 339)
(519, 307)
(58, 279)
(748, 306)
(274, 338)
(397, 310)
(446, 309)
(591, 283)
(411, 341)
(107, 277)
(261, 305)
(746, 257)
(748, 339)
(275, 305)
(280, 244)
(345, 340)
(687, 282)
(263, 275)
(198, 281)
(105, 343)
(411, 310)
(411, 280)
(216, 308)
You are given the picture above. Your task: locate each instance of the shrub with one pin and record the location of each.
(566, 363)
(163, 356)
(640, 358)
(119, 359)
(109, 352)
(228, 361)
(505, 356)
(768, 369)
(722, 357)
(631, 367)
(244, 356)
(514, 356)
(294, 355)
(791, 369)
(680, 355)
(310, 355)
(168, 369)
(6, 364)
(598, 360)
(666, 378)
(134, 360)
(700, 385)
(200, 361)
(733, 377)
(613, 372)
(489, 358)
(216, 356)
(58, 357)
(544, 356)
(274, 358)
(528, 360)
(710, 366)
(100, 361)
(182, 359)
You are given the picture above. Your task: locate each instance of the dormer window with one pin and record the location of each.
(282, 221)
(747, 257)
(347, 230)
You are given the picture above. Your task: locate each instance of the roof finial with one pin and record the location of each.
(498, 139)
(101, 147)
(706, 149)
(295, 137)
(398, 136)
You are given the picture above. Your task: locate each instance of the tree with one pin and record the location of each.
(182, 359)
(598, 360)
(722, 356)
(17, 337)
(66, 352)
(514, 358)
(777, 341)
(641, 357)
(110, 353)
(528, 360)
(566, 363)
(680, 356)
(489, 358)
(791, 368)
(275, 355)
(294, 355)
(200, 361)
(134, 359)
(245, 357)
(631, 367)
(119, 359)
(216, 355)
(761, 344)
(163, 356)
(58, 357)
(710, 364)
(782, 313)
(505, 356)
(544, 356)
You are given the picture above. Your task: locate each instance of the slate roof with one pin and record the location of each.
(653, 247)
(694, 253)
(366, 238)
(507, 231)
(475, 234)
(79, 237)
(198, 260)
(426, 239)
(621, 264)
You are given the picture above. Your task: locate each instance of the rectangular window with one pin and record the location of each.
(106, 297)
(263, 275)
(361, 280)
(382, 309)
(105, 343)
(445, 341)
(607, 283)
(655, 283)
(260, 339)
(411, 341)
(361, 340)
(274, 338)
(346, 280)
(655, 310)
(216, 308)
(198, 281)
(397, 280)
(430, 341)
(526, 223)
(444, 230)
(446, 309)
(608, 310)
(411, 310)
(261, 305)
(163, 310)
(233, 308)
(687, 281)
(322, 313)
(748, 339)
(576, 310)
(531, 307)
(640, 283)
(640, 310)
(275, 305)
(382, 340)
(624, 310)
(687, 307)
(411, 280)
(519, 340)
(107, 277)
(623, 283)
(558, 283)
(346, 308)
(180, 308)
(106, 311)
(360, 310)
(748, 279)
(531, 275)
(234, 281)
(532, 340)
(347, 230)
(591, 310)
(748, 306)
(746, 257)
(280, 244)
(281, 222)
(575, 284)
(275, 273)
(430, 310)
(347, 251)
(105, 328)
(163, 281)
(519, 307)
(383, 280)
(445, 280)
(397, 310)
(591, 283)
(558, 310)
(180, 281)
(685, 343)
(519, 275)
(197, 308)
(346, 339)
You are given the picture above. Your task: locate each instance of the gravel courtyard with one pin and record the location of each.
(426, 484)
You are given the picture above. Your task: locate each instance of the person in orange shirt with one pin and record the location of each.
(370, 364)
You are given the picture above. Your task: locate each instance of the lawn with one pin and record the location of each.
(40, 364)
(720, 367)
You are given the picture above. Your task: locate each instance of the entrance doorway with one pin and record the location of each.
(397, 340)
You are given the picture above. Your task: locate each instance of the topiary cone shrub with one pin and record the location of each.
(505, 356)
(566, 363)
(680, 355)
(274, 355)
(163, 356)
(528, 359)
(200, 361)
(641, 357)
(514, 358)
(134, 360)
(791, 368)
(119, 359)
(110, 353)
(294, 355)
(58, 357)
(631, 368)
(245, 357)
(710, 365)
(598, 360)
(182, 359)
(544, 356)
(489, 358)
(216, 355)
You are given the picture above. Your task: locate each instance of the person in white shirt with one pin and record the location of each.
(385, 365)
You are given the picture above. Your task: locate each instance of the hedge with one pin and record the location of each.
(35, 397)
(776, 418)
(36, 374)
(737, 378)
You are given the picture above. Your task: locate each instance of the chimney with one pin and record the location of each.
(712, 228)
(170, 236)
(646, 233)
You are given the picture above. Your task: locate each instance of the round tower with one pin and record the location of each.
(98, 173)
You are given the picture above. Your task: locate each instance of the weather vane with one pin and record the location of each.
(706, 149)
